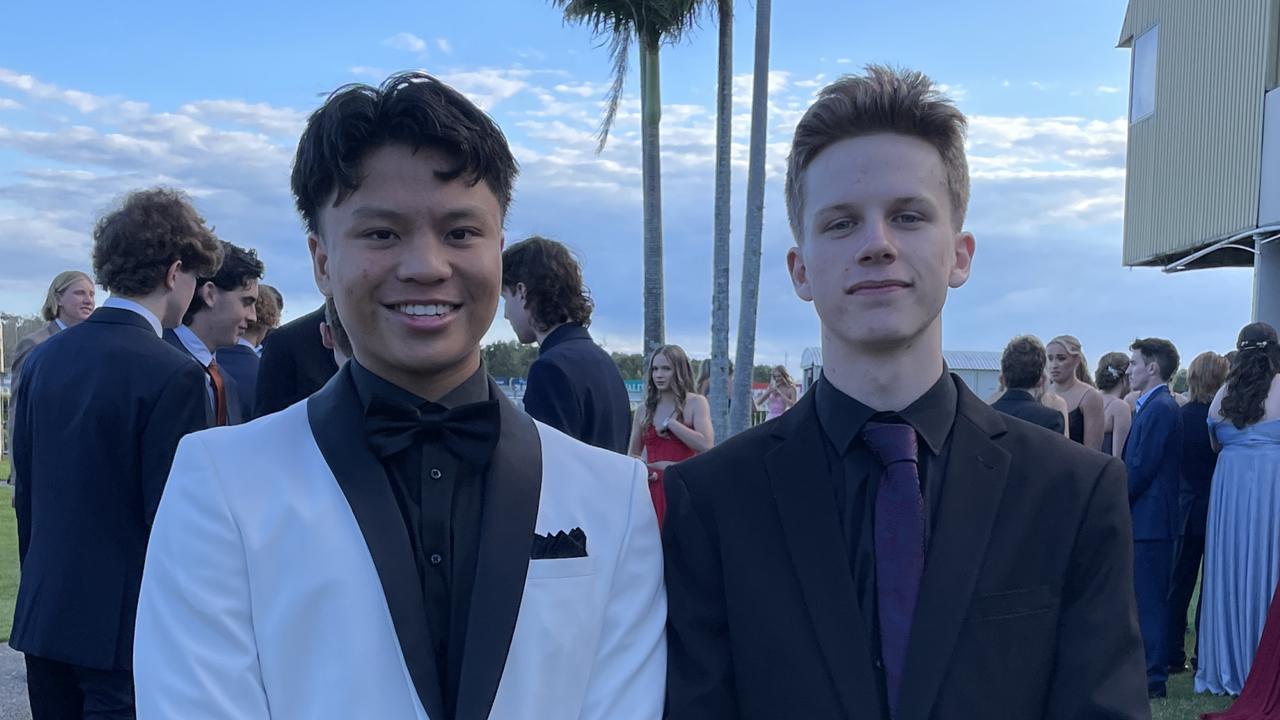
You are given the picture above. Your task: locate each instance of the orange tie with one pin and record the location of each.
(219, 394)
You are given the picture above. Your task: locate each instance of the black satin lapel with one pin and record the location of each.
(513, 485)
(336, 422)
(975, 480)
(806, 507)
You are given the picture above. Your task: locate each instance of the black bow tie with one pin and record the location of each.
(468, 432)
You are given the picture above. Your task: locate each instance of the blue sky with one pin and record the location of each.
(212, 99)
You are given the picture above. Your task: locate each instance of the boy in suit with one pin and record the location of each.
(1021, 372)
(101, 411)
(1152, 459)
(892, 547)
(574, 386)
(473, 562)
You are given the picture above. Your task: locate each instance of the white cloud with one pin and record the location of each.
(489, 86)
(1108, 90)
(10, 104)
(372, 73)
(283, 121)
(445, 46)
(407, 42)
(843, 61)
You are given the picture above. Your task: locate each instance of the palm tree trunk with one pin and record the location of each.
(742, 404)
(720, 256)
(651, 118)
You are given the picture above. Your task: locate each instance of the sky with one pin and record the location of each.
(211, 98)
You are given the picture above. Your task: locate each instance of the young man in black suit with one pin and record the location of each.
(892, 547)
(222, 307)
(1153, 463)
(574, 386)
(101, 411)
(295, 364)
(1022, 371)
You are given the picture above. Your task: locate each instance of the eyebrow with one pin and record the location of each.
(381, 213)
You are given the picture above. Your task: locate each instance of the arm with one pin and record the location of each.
(700, 681)
(1099, 669)
(698, 434)
(1215, 413)
(635, 445)
(1122, 421)
(20, 416)
(549, 397)
(277, 381)
(789, 397)
(630, 668)
(1147, 451)
(180, 410)
(195, 655)
(1091, 407)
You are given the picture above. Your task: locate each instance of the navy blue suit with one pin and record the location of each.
(240, 363)
(575, 387)
(230, 387)
(99, 416)
(1153, 462)
(295, 364)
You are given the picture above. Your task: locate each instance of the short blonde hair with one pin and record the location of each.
(884, 100)
(61, 282)
(1205, 376)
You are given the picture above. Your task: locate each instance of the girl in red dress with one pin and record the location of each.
(674, 423)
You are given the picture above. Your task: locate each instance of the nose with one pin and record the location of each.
(877, 248)
(423, 260)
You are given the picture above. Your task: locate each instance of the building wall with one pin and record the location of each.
(1193, 165)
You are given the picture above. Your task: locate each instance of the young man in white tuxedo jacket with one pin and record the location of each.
(411, 545)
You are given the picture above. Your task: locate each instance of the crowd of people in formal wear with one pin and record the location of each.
(344, 516)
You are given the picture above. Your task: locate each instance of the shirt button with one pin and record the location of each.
(436, 558)
(436, 474)
(879, 664)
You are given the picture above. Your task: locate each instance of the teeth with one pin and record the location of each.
(424, 309)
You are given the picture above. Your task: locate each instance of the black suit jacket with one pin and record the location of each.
(1023, 405)
(230, 387)
(575, 387)
(1198, 463)
(101, 411)
(1026, 608)
(295, 364)
(241, 363)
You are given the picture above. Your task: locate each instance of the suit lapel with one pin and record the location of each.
(513, 484)
(807, 511)
(977, 469)
(336, 419)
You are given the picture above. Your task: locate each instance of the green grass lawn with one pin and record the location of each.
(1183, 703)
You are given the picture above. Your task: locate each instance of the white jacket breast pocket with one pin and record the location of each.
(561, 568)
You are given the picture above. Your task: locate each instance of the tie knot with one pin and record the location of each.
(891, 442)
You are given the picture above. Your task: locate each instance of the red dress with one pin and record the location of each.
(1260, 697)
(658, 448)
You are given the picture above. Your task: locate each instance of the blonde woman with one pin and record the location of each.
(781, 394)
(69, 301)
(1069, 373)
(673, 424)
(1112, 380)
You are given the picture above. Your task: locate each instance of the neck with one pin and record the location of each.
(255, 337)
(885, 380)
(542, 334)
(1067, 384)
(201, 331)
(155, 302)
(68, 321)
(428, 386)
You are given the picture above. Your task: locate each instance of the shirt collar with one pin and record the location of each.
(370, 386)
(246, 343)
(120, 303)
(194, 345)
(1147, 395)
(567, 331)
(61, 325)
(932, 414)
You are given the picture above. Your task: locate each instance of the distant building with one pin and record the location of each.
(1202, 181)
(980, 370)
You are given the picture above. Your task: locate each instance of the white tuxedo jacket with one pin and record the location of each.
(280, 581)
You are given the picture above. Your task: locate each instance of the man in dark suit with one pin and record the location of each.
(1021, 373)
(574, 386)
(1152, 459)
(102, 408)
(892, 547)
(295, 364)
(221, 310)
(240, 361)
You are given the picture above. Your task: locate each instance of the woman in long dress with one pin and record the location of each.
(1112, 381)
(1069, 372)
(1242, 536)
(674, 423)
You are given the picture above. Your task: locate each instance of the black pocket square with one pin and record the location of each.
(560, 546)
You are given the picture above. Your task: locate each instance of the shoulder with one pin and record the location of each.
(694, 400)
(1039, 452)
(1092, 397)
(254, 444)
(600, 470)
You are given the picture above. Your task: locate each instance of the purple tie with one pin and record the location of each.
(899, 544)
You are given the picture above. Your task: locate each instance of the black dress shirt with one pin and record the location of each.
(855, 472)
(440, 498)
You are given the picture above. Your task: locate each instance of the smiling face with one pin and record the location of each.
(414, 265)
(76, 302)
(878, 250)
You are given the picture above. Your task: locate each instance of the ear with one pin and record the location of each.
(171, 275)
(320, 263)
(799, 274)
(326, 335)
(964, 247)
(519, 291)
(209, 293)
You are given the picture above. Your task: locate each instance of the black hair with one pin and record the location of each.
(1256, 362)
(1161, 352)
(239, 266)
(554, 292)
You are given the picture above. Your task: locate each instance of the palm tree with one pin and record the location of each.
(720, 255)
(649, 23)
(742, 400)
